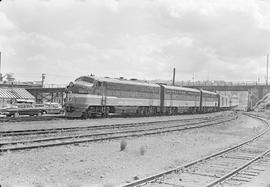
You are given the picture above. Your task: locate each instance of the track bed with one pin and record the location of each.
(104, 163)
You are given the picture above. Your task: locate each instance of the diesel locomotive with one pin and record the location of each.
(90, 96)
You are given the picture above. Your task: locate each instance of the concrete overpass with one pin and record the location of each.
(255, 91)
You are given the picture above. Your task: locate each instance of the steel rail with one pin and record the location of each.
(71, 129)
(102, 134)
(144, 132)
(227, 176)
(59, 117)
(164, 173)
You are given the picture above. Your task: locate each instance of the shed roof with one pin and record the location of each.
(15, 93)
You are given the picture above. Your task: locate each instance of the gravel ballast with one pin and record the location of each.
(104, 163)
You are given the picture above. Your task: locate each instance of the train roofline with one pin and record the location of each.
(122, 81)
(209, 92)
(181, 88)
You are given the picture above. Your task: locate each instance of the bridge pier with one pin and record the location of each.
(255, 94)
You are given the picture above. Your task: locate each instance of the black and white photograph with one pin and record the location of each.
(134, 93)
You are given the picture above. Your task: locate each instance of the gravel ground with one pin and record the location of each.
(104, 163)
(261, 181)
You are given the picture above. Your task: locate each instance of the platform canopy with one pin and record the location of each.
(15, 93)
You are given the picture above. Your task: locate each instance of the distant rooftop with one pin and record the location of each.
(15, 93)
(34, 84)
(19, 84)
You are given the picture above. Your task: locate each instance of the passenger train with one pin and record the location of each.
(90, 96)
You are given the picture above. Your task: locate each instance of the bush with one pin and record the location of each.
(123, 145)
(142, 150)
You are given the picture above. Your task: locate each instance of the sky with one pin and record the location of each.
(144, 39)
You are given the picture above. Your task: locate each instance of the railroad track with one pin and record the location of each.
(110, 134)
(235, 165)
(53, 117)
(93, 127)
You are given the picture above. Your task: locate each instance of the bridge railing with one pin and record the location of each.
(208, 83)
(54, 85)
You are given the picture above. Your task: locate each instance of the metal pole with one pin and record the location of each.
(173, 82)
(267, 70)
(193, 79)
(42, 79)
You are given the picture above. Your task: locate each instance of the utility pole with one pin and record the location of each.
(173, 80)
(267, 70)
(193, 79)
(42, 79)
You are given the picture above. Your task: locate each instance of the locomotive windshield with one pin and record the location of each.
(85, 79)
(82, 85)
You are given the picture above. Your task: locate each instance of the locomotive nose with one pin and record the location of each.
(71, 84)
(79, 87)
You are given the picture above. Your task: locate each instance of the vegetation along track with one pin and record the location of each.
(109, 134)
(235, 165)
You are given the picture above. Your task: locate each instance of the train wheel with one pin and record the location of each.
(171, 111)
(16, 114)
(155, 111)
(175, 110)
(142, 111)
(147, 111)
(84, 115)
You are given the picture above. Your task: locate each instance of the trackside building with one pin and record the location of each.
(11, 95)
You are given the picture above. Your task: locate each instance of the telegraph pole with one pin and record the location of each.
(193, 79)
(43, 79)
(267, 70)
(173, 80)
